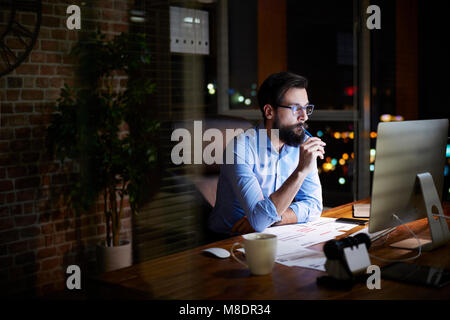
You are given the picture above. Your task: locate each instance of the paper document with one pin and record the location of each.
(307, 234)
(305, 258)
(294, 238)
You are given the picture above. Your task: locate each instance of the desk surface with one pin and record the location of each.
(193, 275)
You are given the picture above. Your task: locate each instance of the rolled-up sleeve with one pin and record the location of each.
(260, 210)
(307, 204)
(257, 206)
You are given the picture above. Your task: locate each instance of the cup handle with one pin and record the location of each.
(236, 258)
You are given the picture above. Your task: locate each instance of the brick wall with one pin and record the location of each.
(39, 236)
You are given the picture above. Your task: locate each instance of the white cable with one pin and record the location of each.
(407, 259)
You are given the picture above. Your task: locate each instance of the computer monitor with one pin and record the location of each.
(408, 178)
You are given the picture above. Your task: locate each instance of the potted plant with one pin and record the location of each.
(88, 128)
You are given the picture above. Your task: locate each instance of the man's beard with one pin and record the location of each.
(288, 135)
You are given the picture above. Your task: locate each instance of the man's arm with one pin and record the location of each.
(287, 217)
(284, 196)
(309, 151)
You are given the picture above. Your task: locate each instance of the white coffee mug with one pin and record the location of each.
(260, 252)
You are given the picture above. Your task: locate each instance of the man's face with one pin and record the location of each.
(291, 126)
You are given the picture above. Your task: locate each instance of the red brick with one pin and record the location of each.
(37, 144)
(32, 94)
(30, 232)
(29, 182)
(40, 118)
(61, 226)
(47, 8)
(28, 208)
(5, 223)
(73, 35)
(50, 21)
(22, 221)
(15, 82)
(26, 195)
(47, 70)
(4, 147)
(25, 107)
(28, 19)
(47, 228)
(15, 120)
(106, 4)
(59, 179)
(70, 236)
(69, 59)
(44, 33)
(6, 185)
(14, 43)
(9, 197)
(44, 108)
(17, 247)
(12, 95)
(48, 240)
(9, 236)
(56, 82)
(59, 238)
(6, 133)
(39, 132)
(63, 249)
(46, 252)
(88, 232)
(6, 108)
(120, 27)
(59, 34)
(28, 82)
(37, 57)
(45, 180)
(61, 9)
(52, 94)
(22, 133)
(16, 209)
(32, 69)
(20, 145)
(54, 58)
(15, 172)
(65, 71)
(49, 45)
(42, 82)
(120, 5)
(111, 15)
(30, 157)
(33, 170)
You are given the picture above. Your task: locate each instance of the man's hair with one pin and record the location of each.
(275, 86)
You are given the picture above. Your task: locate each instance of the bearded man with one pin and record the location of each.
(272, 176)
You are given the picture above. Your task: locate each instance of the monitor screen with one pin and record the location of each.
(404, 150)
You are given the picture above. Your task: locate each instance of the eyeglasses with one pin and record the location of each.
(297, 108)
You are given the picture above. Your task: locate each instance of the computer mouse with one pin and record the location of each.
(218, 252)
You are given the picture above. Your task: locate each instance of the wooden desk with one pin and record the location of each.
(193, 275)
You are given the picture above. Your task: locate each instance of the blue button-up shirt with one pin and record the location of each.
(251, 172)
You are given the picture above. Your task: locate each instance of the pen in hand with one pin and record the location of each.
(307, 133)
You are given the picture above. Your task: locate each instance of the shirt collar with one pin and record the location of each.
(270, 148)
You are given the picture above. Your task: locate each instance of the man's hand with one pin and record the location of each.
(242, 226)
(309, 151)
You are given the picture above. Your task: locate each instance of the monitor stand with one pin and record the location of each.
(439, 231)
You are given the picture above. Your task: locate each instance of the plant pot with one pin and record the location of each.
(112, 258)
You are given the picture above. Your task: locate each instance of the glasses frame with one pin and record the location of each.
(295, 108)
